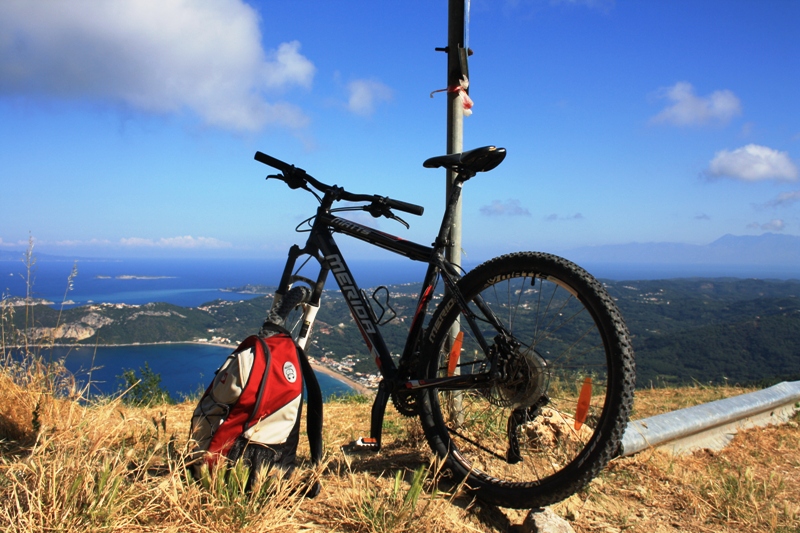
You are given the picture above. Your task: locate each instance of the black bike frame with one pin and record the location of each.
(322, 246)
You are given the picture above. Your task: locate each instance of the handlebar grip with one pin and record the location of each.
(405, 207)
(272, 162)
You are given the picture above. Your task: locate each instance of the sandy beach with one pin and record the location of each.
(358, 387)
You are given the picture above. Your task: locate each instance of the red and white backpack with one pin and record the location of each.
(252, 408)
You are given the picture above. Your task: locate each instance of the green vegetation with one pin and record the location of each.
(144, 391)
(743, 331)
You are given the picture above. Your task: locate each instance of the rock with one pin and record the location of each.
(96, 320)
(545, 521)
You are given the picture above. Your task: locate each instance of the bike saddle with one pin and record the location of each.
(472, 161)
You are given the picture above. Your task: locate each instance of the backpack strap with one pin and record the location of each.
(314, 402)
(314, 416)
(263, 386)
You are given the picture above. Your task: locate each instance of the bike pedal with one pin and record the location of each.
(365, 444)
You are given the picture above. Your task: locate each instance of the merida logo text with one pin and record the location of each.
(349, 290)
(350, 226)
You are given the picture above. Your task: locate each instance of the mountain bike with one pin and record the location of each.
(523, 375)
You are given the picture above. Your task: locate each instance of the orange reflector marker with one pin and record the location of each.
(455, 353)
(583, 403)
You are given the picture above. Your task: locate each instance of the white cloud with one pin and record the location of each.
(13, 244)
(752, 163)
(509, 208)
(773, 225)
(603, 5)
(91, 242)
(784, 199)
(175, 242)
(688, 109)
(365, 95)
(553, 217)
(156, 56)
(288, 67)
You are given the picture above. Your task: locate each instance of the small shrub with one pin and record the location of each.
(350, 398)
(146, 390)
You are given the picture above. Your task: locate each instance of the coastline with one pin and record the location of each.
(357, 387)
(102, 345)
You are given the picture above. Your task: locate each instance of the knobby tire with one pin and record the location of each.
(523, 441)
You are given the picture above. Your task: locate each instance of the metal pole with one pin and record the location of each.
(455, 113)
(456, 67)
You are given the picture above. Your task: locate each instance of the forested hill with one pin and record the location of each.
(712, 330)
(684, 330)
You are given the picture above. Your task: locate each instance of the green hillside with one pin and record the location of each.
(684, 330)
(712, 330)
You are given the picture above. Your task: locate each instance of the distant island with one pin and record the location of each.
(706, 330)
(770, 254)
(129, 276)
(250, 289)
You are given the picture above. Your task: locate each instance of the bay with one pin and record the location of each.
(185, 369)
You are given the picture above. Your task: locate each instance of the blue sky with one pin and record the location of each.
(127, 128)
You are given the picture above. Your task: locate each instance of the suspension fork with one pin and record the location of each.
(310, 307)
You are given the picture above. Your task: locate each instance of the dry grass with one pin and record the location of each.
(752, 485)
(69, 466)
(106, 466)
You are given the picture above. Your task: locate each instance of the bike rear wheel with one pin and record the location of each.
(553, 411)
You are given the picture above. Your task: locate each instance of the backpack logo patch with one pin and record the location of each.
(289, 372)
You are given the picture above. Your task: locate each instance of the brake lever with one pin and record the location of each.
(400, 220)
(292, 181)
(380, 210)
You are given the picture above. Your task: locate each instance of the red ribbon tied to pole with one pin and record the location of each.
(461, 89)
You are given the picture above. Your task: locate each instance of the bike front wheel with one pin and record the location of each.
(553, 380)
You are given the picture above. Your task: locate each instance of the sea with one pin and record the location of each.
(184, 369)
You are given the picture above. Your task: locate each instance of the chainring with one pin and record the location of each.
(406, 402)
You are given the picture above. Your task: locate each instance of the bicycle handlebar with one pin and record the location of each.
(297, 177)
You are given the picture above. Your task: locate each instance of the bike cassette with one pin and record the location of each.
(523, 376)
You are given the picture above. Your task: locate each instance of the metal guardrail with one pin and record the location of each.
(712, 425)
